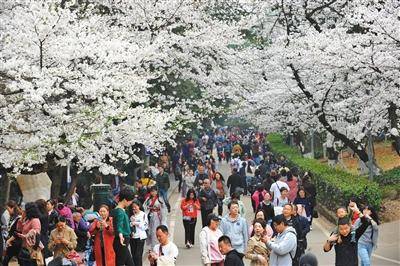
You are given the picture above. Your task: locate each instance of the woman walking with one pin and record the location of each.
(156, 211)
(369, 239)
(44, 225)
(29, 226)
(220, 188)
(190, 207)
(209, 235)
(302, 199)
(256, 250)
(139, 224)
(103, 231)
(188, 181)
(292, 182)
(122, 230)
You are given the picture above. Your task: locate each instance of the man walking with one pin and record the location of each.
(235, 227)
(208, 201)
(284, 247)
(234, 181)
(346, 241)
(163, 185)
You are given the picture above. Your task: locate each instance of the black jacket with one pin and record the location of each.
(268, 210)
(347, 250)
(52, 220)
(234, 258)
(234, 181)
(311, 192)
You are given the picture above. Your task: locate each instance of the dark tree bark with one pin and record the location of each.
(394, 123)
(356, 146)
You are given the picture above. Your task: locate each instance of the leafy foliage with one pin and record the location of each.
(334, 187)
(391, 177)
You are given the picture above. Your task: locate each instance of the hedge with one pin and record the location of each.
(391, 177)
(334, 187)
(389, 182)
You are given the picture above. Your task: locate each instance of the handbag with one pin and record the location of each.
(74, 256)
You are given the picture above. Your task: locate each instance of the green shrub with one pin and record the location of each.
(334, 187)
(391, 177)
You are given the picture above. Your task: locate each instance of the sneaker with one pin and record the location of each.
(190, 245)
(310, 228)
(187, 245)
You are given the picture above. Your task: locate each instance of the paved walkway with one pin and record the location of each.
(387, 253)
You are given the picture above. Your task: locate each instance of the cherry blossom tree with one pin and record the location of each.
(90, 81)
(331, 66)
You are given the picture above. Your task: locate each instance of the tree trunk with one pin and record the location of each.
(394, 123)
(5, 189)
(352, 144)
(7, 184)
(57, 174)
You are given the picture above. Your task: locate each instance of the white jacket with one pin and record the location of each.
(204, 238)
(141, 223)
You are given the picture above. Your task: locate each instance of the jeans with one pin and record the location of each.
(364, 253)
(190, 227)
(122, 254)
(164, 195)
(137, 246)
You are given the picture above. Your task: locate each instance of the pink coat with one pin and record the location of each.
(293, 186)
(255, 197)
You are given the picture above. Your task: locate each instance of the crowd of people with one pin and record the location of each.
(283, 202)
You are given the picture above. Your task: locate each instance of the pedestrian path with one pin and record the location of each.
(316, 238)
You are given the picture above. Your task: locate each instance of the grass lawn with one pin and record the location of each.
(386, 158)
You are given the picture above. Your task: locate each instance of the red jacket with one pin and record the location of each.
(190, 207)
(108, 238)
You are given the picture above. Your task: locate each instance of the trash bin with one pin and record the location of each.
(100, 195)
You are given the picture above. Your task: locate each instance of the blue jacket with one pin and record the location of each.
(237, 230)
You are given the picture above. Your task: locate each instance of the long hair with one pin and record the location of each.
(374, 214)
(31, 211)
(301, 189)
(222, 177)
(41, 204)
(190, 191)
